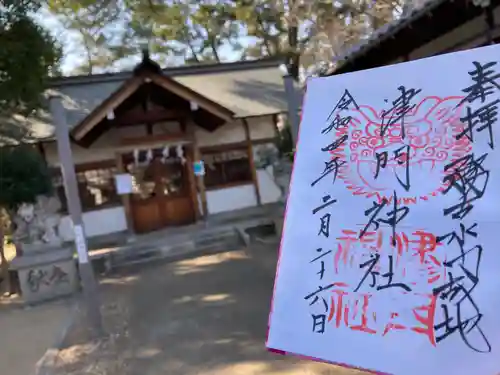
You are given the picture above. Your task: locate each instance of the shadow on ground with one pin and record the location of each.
(206, 315)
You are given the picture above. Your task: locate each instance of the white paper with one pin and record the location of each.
(81, 244)
(380, 327)
(124, 183)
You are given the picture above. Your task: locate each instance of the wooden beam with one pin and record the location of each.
(235, 146)
(125, 197)
(127, 89)
(188, 94)
(199, 179)
(251, 162)
(149, 139)
(192, 182)
(137, 116)
(92, 165)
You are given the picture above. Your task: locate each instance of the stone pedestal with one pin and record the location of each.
(46, 275)
(41, 248)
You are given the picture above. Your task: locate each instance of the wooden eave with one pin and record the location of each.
(412, 32)
(96, 117)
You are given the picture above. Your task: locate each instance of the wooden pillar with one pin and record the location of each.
(490, 23)
(87, 276)
(199, 179)
(192, 181)
(41, 150)
(275, 126)
(251, 161)
(293, 106)
(125, 197)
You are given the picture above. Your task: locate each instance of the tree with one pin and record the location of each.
(112, 32)
(92, 21)
(192, 30)
(28, 58)
(309, 33)
(24, 175)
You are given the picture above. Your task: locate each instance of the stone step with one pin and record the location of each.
(166, 243)
(176, 255)
(201, 244)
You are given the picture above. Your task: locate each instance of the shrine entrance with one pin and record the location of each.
(154, 119)
(162, 187)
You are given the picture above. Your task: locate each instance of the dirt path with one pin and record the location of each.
(25, 334)
(201, 316)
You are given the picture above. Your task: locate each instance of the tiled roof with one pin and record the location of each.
(251, 88)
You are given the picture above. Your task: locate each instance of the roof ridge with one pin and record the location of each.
(201, 68)
(384, 32)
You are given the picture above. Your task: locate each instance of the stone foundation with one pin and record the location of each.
(46, 275)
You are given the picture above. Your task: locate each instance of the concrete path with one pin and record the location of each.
(200, 316)
(26, 334)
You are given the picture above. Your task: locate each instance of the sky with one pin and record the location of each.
(73, 54)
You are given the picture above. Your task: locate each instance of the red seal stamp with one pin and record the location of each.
(431, 130)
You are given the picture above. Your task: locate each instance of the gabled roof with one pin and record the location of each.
(145, 73)
(247, 89)
(240, 87)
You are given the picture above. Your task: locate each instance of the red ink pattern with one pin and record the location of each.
(419, 261)
(354, 311)
(417, 250)
(431, 130)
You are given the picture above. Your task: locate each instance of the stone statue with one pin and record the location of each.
(45, 268)
(278, 167)
(38, 224)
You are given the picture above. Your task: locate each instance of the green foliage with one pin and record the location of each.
(23, 176)
(89, 19)
(192, 31)
(28, 57)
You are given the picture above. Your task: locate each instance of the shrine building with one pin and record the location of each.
(157, 125)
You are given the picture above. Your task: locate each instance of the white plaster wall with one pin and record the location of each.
(96, 223)
(80, 155)
(269, 192)
(234, 132)
(228, 133)
(232, 198)
(102, 149)
(262, 127)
